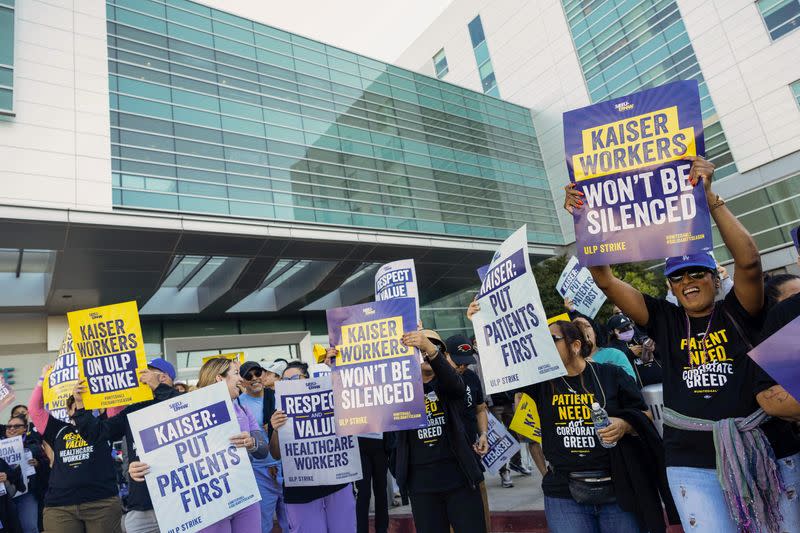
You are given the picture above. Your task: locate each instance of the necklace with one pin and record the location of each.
(597, 380)
(702, 340)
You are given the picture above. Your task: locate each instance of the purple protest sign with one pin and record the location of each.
(183, 426)
(628, 157)
(377, 381)
(795, 239)
(779, 355)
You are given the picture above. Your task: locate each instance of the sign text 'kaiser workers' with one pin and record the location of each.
(312, 453)
(110, 352)
(628, 157)
(197, 477)
(377, 380)
(511, 328)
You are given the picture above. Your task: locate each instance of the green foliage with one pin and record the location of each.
(547, 272)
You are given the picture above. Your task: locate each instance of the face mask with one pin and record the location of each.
(625, 335)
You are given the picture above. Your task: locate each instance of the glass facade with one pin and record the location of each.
(6, 56)
(628, 45)
(481, 49)
(214, 113)
(440, 64)
(795, 86)
(780, 16)
(769, 214)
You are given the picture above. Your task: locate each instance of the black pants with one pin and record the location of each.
(435, 512)
(375, 466)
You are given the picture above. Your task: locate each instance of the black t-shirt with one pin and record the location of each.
(646, 373)
(564, 405)
(472, 399)
(781, 434)
(433, 463)
(721, 384)
(82, 472)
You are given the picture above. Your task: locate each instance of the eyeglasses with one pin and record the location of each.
(677, 277)
(291, 378)
(556, 338)
(253, 373)
(15, 426)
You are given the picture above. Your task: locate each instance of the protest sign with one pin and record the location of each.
(526, 420)
(778, 356)
(514, 342)
(6, 394)
(13, 452)
(377, 380)
(795, 238)
(235, 356)
(197, 477)
(312, 454)
(60, 380)
(397, 279)
(502, 446)
(577, 284)
(628, 157)
(562, 316)
(110, 351)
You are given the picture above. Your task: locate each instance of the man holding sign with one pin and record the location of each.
(630, 158)
(110, 349)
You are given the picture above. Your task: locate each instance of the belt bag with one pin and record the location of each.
(592, 487)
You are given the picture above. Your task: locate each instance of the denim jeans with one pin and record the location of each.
(28, 512)
(700, 501)
(565, 515)
(790, 501)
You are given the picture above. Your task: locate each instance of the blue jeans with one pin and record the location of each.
(565, 515)
(28, 512)
(700, 501)
(271, 491)
(790, 501)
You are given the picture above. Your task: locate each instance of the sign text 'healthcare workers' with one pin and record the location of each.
(60, 380)
(377, 380)
(197, 477)
(577, 284)
(628, 157)
(513, 339)
(110, 352)
(312, 453)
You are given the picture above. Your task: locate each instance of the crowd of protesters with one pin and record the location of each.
(729, 459)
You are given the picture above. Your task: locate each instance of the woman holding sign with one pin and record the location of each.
(711, 386)
(28, 503)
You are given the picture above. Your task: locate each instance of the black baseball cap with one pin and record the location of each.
(248, 366)
(460, 350)
(619, 321)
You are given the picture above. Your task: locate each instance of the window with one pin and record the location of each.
(476, 31)
(780, 16)
(6, 57)
(796, 90)
(440, 64)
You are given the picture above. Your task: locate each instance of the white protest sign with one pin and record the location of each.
(28, 469)
(397, 279)
(502, 446)
(514, 343)
(12, 451)
(197, 477)
(311, 452)
(577, 284)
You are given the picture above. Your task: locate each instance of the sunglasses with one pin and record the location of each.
(253, 373)
(556, 338)
(15, 426)
(693, 274)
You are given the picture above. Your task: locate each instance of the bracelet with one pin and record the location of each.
(717, 203)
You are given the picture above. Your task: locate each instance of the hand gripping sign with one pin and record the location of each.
(110, 348)
(628, 157)
(514, 343)
(197, 477)
(312, 453)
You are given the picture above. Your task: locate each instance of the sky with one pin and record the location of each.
(374, 28)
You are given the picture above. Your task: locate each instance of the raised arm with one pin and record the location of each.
(748, 277)
(39, 416)
(94, 429)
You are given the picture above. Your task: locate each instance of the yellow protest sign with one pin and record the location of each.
(233, 356)
(110, 352)
(562, 316)
(60, 380)
(320, 352)
(526, 420)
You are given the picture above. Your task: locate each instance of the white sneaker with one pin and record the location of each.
(505, 478)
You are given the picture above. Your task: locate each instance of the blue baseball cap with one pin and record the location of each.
(164, 366)
(703, 260)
